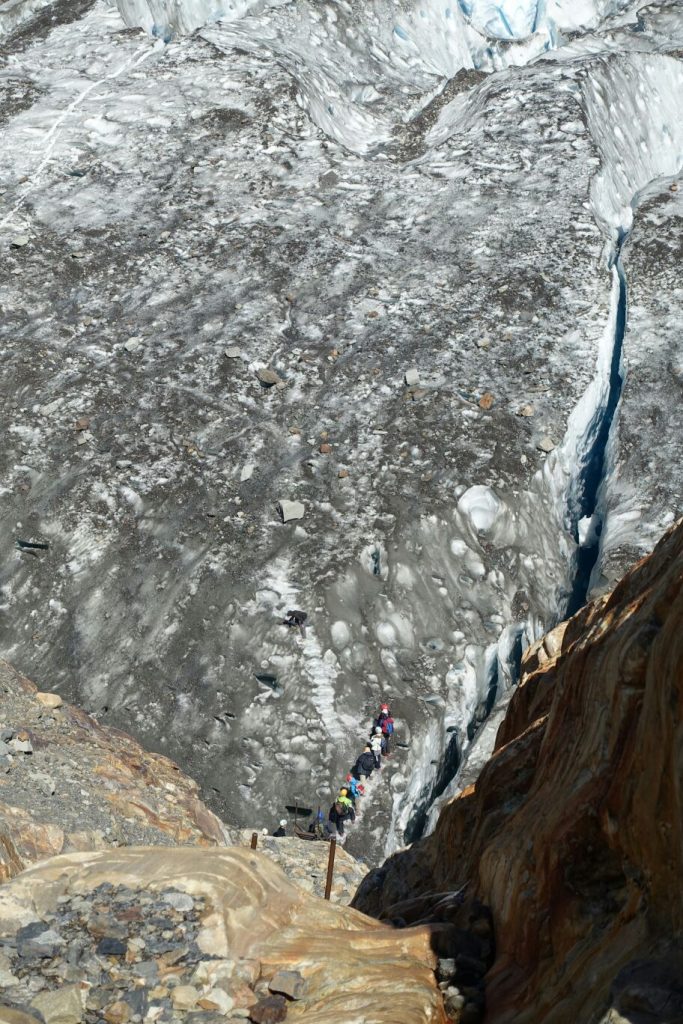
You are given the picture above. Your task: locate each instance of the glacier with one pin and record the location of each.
(341, 192)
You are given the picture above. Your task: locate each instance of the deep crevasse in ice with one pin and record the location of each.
(634, 107)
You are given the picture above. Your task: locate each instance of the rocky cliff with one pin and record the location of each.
(573, 833)
(67, 783)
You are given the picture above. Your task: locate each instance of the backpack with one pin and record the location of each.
(387, 725)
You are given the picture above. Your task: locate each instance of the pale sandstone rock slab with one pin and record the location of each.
(353, 967)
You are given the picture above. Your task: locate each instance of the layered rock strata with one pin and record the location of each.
(170, 935)
(573, 833)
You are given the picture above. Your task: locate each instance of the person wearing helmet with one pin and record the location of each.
(339, 814)
(281, 830)
(378, 746)
(344, 799)
(386, 724)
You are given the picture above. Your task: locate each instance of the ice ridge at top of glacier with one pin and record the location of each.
(505, 20)
(518, 19)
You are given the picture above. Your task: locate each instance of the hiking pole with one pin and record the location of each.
(254, 840)
(330, 868)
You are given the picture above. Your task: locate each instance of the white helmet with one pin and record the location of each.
(378, 729)
(283, 822)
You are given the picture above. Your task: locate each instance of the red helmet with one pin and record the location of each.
(348, 777)
(384, 707)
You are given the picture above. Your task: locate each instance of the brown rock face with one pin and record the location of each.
(86, 787)
(573, 833)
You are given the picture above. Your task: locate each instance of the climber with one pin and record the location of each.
(378, 745)
(339, 814)
(294, 617)
(344, 798)
(354, 787)
(281, 830)
(386, 724)
(365, 763)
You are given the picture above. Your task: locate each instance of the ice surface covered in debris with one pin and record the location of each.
(301, 188)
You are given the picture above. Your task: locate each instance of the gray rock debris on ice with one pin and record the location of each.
(342, 192)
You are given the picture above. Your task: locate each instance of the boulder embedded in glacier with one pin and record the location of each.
(268, 377)
(290, 510)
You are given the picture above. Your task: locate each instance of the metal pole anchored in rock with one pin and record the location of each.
(330, 868)
(254, 840)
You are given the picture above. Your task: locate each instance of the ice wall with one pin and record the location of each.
(166, 18)
(445, 36)
(634, 106)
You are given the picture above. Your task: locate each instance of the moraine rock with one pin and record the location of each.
(291, 510)
(268, 377)
(288, 983)
(242, 904)
(50, 700)
(101, 788)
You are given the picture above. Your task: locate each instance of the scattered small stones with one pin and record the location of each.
(526, 410)
(19, 241)
(247, 472)
(342, 474)
(412, 377)
(82, 423)
(133, 344)
(325, 449)
(291, 510)
(233, 352)
(546, 444)
(483, 343)
(122, 956)
(486, 401)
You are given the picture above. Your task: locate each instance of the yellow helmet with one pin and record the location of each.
(343, 792)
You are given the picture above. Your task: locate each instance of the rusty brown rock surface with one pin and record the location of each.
(573, 833)
(253, 924)
(83, 786)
